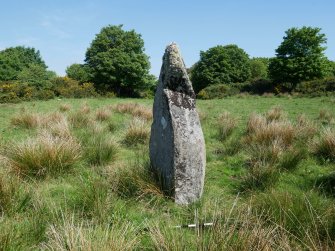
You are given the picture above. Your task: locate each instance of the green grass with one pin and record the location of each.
(106, 196)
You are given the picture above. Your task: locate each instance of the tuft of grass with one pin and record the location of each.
(102, 114)
(64, 107)
(85, 108)
(26, 120)
(326, 117)
(255, 122)
(226, 124)
(99, 146)
(307, 216)
(136, 179)
(135, 110)
(70, 235)
(14, 197)
(324, 146)
(305, 129)
(125, 107)
(45, 154)
(137, 132)
(274, 114)
(259, 177)
(291, 158)
(79, 119)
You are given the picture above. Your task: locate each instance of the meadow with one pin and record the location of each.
(75, 175)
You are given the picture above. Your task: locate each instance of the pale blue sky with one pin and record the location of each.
(62, 30)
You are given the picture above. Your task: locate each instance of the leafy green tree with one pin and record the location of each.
(117, 61)
(79, 72)
(37, 76)
(220, 65)
(300, 56)
(259, 68)
(14, 59)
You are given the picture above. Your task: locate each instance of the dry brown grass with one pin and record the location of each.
(226, 125)
(79, 119)
(26, 120)
(275, 114)
(102, 114)
(326, 117)
(85, 108)
(255, 122)
(324, 146)
(42, 155)
(305, 129)
(134, 109)
(64, 107)
(137, 132)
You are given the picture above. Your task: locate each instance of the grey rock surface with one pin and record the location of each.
(177, 146)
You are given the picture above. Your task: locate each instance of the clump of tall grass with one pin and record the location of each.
(270, 145)
(135, 110)
(79, 119)
(64, 107)
(233, 229)
(125, 107)
(70, 235)
(137, 132)
(309, 217)
(260, 176)
(226, 125)
(326, 117)
(305, 129)
(26, 120)
(85, 108)
(42, 155)
(135, 179)
(14, 196)
(99, 146)
(255, 122)
(102, 114)
(275, 114)
(324, 146)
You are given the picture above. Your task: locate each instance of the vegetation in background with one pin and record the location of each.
(117, 62)
(221, 65)
(300, 56)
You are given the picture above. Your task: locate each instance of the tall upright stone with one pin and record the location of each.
(177, 146)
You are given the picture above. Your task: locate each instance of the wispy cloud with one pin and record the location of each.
(54, 24)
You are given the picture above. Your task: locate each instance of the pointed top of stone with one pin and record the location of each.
(173, 74)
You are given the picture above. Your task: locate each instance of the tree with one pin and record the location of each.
(117, 61)
(300, 56)
(14, 59)
(79, 72)
(220, 65)
(259, 68)
(37, 76)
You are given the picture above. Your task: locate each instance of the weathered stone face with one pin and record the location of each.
(177, 146)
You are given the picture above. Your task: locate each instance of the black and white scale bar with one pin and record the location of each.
(195, 225)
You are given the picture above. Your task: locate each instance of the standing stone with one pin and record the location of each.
(177, 146)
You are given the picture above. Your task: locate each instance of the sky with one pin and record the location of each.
(62, 30)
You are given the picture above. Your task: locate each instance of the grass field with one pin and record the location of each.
(74, 175)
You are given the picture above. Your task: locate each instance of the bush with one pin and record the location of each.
(70, 88)
(317, 87)
(217, 91)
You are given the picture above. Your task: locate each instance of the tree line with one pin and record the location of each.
(116, 65)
